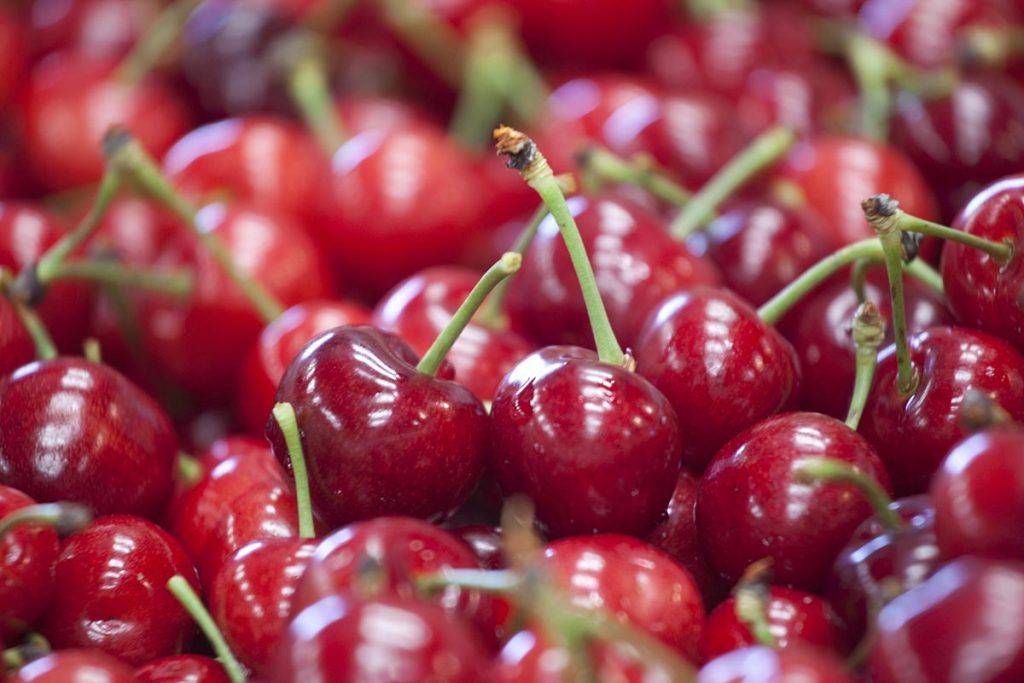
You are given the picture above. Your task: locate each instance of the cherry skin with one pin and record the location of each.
(79, 431)
(28, 553)
(635, 262)
(414, 444)
(74, 666)
(13, 54)
(795, 619)
(278, 345)
(913, 433)
(560, 412)
(699, 348)
(792, 665)
(181, 669)
(342, 639)
(633, 581)
(97, 28)
(979, 496)
(16, 347)
(809, 99)
(420, 307)
(750, 506)
(954, 627)
(486, 542)
(110, 591)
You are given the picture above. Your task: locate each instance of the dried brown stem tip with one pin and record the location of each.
(868, 327)
(910, 243)
(516, 145)
(880, 210)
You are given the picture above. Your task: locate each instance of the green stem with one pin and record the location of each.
(489, 66)
(505, 266)
(765, 150)
(898, 219)
(150, 48)
(172, 283)
(812, 470)
(494, 581)
(926, 275)
(868, 335)
(35, 647)
(311, 92)
(872, 66)
(435, 42)
(64, 518)
(128, 156)
(45, 348)
(605, 166)
(492, 313)
(750, 605)
(182, 590)
(858, 274)
(189, 469)
(284, 413)
(524, 156)
(91, 350)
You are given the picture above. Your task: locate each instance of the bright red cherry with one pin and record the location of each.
(793, 665)
(979, 496)
(74, 666)
(809, 99)
(110, 591)
(97, 28)
(16, 347)
(27, 556)
(486, 542)
(79, 431)
(720, 366)
(13, 54)
(751, 506)
(181, 669)
(913, 432)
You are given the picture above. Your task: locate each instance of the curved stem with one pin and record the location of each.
(505, 266)
(524, 156)
(152, 45)
(45, 348)
(812, 470)
(872, 66)
(868, 335)
(182, 590)
(311, 92)
(751, 601)
(858, 274)
(765, 150)
(926, 275)
(177, 283)
(436, 43)
(64, 518)
(502, 581)
(492, 312)
(490, 63)
(605, 166)
(284, 413)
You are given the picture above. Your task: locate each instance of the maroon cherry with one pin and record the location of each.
(16, 347)
(13, 54)
(28, 553)
(486, 542)
(181, 669)
(701, 348)
(793, 665)
(809, 99)
(79, 431)
(979, 496)
(101, 28)
(110, 591)
(74, 666)
(751, 506)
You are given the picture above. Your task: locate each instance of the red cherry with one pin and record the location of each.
(28, 553)
(96, 28)
(700, 349)
(74, 666)
(913, 433)
(110, 591)
(794, 665)
(16, 347)
(13, 54)
(750, 506)
(181, 669)
(809, 99)
(486, 542)
(79, 431)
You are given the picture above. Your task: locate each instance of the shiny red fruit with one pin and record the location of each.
(13, 54)
(16, 347)
(74, 666)
(27, 556)
(795, 665)
(97, 28)
(181, 669)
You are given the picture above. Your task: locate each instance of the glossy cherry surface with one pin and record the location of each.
(750, 506)
(181, 669)
(794, 665)
(720, 366)
(635, 582)
(561, 412)
(79, 431)
(13, 54)
(810, 99)
(110, 591)
(486, 542)
(27, 556)
(913, 433)
(99, 28)
(74, 666)
(16, 347)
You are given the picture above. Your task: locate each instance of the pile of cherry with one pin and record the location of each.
(714, 377)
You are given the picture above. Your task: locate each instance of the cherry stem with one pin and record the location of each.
(176, 283)
(704, 10)
(311, 92)
(978, 411)
(599, 166)
(813, 470)
(35, 647)
(179, 586)
(858, 275)
(502, 581)
(129, 157)
(435, 42)
(765, 150)
(492, 313)
(508, 263)
(159, 36)
(991, 47)
(524, 157)
(871, 64)
(751, 602)
(64, 518)
(45, 348)
(520, 542)
(284, 413)
(92, 351)
(189, 469)
(868, 335)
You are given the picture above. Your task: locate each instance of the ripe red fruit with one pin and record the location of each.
(795, 665)
(181, 669)
(16, 347)
(27, 556)
(74, 666)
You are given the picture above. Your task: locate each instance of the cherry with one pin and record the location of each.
(979, 496)
(913, 431)
(809, 99)
(109, 591)
(13, 54)
(793, 665)
(79, 431)
(956, 626)
(750, 506)
(74, 666)
(486, 542)
(27, 555)
(632, 581)
(699, 348)
(251, 596)
(97, 28)
(344, 639)
(181, 669)
(16, 347)
(278, 345)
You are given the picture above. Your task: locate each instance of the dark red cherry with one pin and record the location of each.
(251, 596)
(560, 412)
(979, 496)
(13, 54)
(110, 591)
(809, 99)
(97, 28)
(27, 556)
(137, 230)
(385, 638)
(961, 626)
(414, 444)
(750, 506)
(74, 666)
(181, 669)
(795, 619)
(71, 101)
(420, 307)
(913, 433)
(278, 345)
(792, 665)
(720, 366)
(632, 581)
(79, 431)
(16, 347)
(486, 542)
(819, 328)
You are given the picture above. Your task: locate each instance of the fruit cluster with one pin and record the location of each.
(713, 372)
